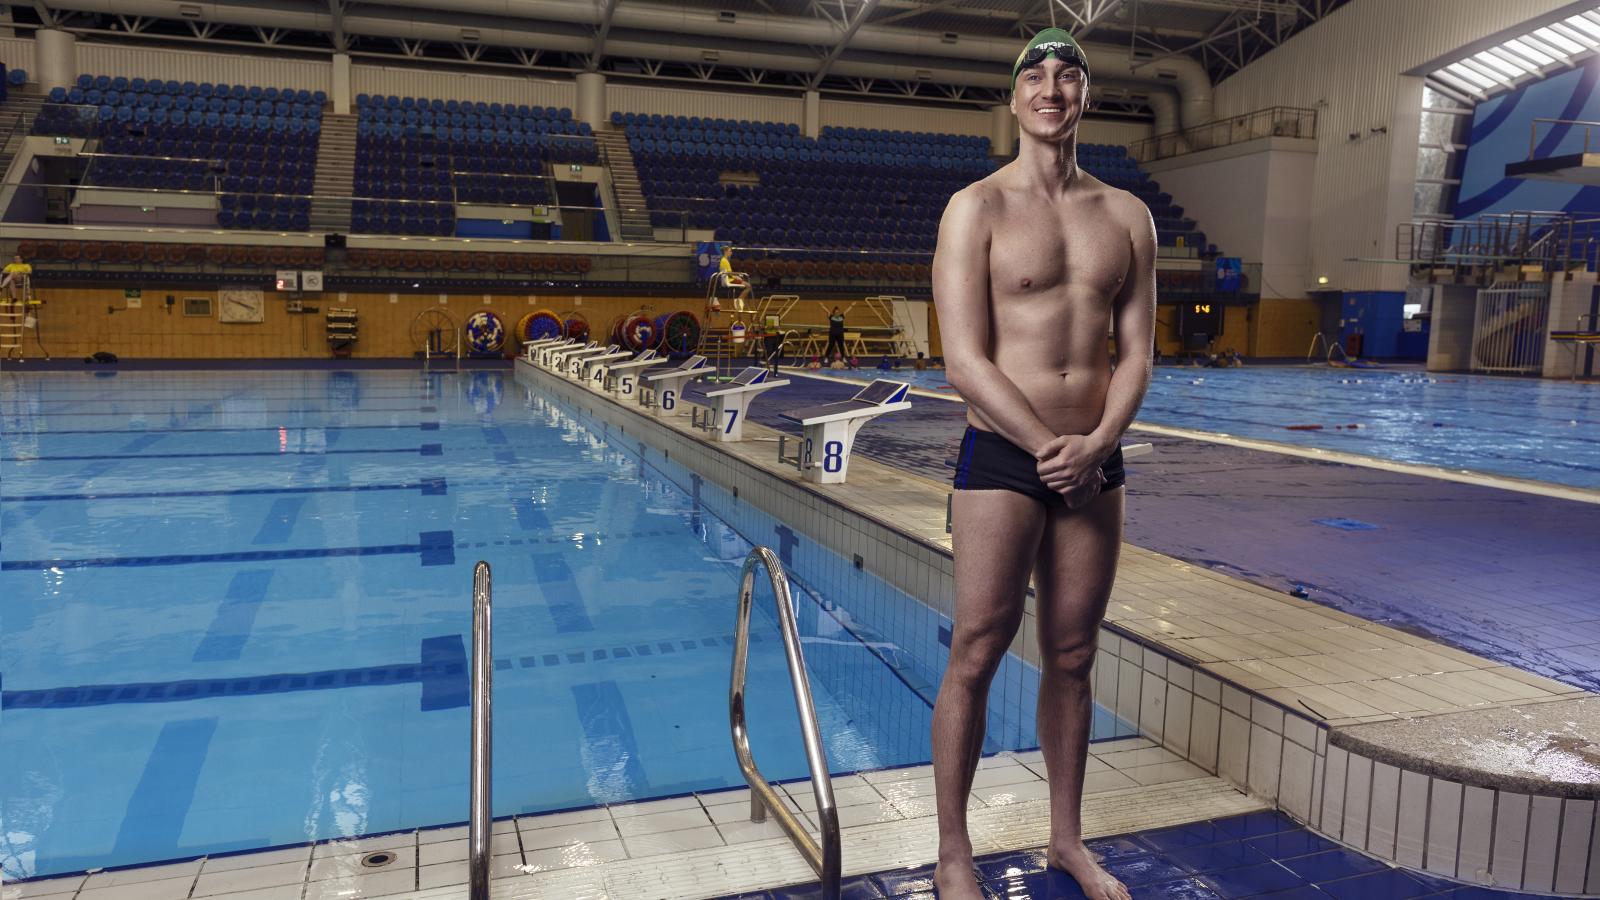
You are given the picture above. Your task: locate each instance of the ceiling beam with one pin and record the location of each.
(46, 15)
(607, 13)
(336, 11)
(917, 11)
(1096, 12)
(844, 40)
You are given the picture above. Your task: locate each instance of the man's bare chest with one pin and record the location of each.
(1089, 256)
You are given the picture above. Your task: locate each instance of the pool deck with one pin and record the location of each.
(1296, 678)
(1248, 698)
(1504, 569)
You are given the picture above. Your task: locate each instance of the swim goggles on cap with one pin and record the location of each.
(1067, 53)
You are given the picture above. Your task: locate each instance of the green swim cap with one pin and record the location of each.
(1050, 42)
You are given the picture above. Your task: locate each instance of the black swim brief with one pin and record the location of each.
(989, 462)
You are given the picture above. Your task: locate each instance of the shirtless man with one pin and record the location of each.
(1035, 264)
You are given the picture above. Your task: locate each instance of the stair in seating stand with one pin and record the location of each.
(633, 213)
(336, 172)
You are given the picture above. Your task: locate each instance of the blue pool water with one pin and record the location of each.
(236, 611)
(1523, 428)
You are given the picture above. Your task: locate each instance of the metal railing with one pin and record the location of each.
(481, 820)
(1274, 121)
(1556, 241)
(1588, 129)
(823, 856)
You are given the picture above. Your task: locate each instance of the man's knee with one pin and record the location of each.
(1073, 658)
(976, 652)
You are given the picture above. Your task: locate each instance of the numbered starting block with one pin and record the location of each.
(663, 391)
(558, 357)
(572, 364)
(595, 367)
(830, 429)
(622, 379)
(530, 350)
(725, 420)
(547, 352)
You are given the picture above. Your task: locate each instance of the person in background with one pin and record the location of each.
(14, 278)
(836, 332)
(922, 362)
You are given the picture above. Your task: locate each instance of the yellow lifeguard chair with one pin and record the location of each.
(18, 306)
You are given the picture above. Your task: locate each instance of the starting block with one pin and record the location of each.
(530, 350)
(595, 368)
(547, 352)
(831, 428)
(534, 351)
(572, 363)
(623, 378)
(664, 390)
(726, 418)
(558, 357)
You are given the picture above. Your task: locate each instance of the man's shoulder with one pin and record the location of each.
(1124, 202)
(977, 201)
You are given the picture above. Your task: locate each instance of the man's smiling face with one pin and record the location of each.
(1048, 98)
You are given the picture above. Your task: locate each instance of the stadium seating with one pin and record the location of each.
(254, 146)
(417, 157)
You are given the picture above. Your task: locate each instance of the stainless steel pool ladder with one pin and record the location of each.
(481, 823)
(822, 856)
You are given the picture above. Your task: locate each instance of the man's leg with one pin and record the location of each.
(996, 539)
(1077, 565)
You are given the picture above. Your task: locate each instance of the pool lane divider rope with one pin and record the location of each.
(429, 487)
(424, 450)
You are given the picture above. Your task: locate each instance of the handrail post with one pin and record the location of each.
(481, 823)
(823, 856)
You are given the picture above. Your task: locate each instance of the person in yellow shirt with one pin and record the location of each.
(14, 278)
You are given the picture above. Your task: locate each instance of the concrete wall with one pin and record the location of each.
(1454, 309)
(1253, 200)
(1359, 69)
(1571, 297)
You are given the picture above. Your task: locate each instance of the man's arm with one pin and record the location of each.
(1135, 312)
(961, 297)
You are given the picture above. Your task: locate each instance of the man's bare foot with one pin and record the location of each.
(1097, 883)
(955, 879)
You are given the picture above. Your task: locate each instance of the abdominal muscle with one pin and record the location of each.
(1056, 355)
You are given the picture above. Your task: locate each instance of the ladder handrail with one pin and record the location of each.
(481, 821)
(1311, 351)
(823, 856)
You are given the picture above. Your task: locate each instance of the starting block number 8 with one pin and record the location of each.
(832, 455)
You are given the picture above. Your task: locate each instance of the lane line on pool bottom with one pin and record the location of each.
(153, 822)
(441, 669)
(235, 616)
(437, 548)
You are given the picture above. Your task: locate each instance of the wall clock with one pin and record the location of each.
(241, 306)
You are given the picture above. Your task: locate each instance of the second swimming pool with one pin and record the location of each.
(1536, 429)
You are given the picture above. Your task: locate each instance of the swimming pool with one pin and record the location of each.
(1536, 429)
(236, 610)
